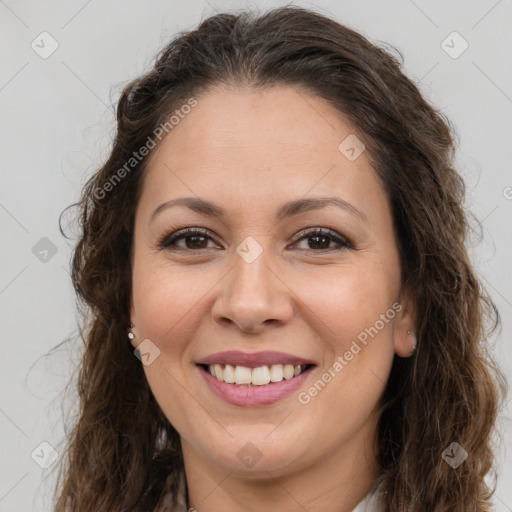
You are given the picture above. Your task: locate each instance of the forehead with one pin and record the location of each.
(281, 118)
(280, 143)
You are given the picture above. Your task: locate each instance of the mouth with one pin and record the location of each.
(251, 380)
(254, 379)
(239, 375)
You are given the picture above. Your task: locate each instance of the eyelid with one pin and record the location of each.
(175, 234)
(324, 231)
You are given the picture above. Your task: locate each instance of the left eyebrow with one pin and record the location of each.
(304, 205)
(289, 209)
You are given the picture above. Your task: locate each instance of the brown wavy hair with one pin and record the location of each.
(122, 453)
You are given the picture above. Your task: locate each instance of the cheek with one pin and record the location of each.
(353, 309)
(357, 320)
(168, 306)
(167, 298)
(346, 300)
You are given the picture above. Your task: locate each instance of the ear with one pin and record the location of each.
(405, 326)
(133, 320)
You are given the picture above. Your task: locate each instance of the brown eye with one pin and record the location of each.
(319, 239)
(194, 239)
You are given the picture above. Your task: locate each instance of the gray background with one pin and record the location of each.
(57, 123)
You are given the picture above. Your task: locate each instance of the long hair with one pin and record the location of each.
(122, 453)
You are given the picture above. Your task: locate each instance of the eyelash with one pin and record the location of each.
(168, 240)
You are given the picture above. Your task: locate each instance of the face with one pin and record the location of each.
(261, 282)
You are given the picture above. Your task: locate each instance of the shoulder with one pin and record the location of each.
(373, 501)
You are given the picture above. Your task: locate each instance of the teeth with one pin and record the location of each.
(243, 375)
(229, 374)
(276, 373)
(259, 376)
(218, 371)
(288, 371)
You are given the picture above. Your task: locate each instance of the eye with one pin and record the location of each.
(320, 239)
(195, 238)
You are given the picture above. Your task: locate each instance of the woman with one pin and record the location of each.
(278, 237)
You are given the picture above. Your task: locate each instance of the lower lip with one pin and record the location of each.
(253, 396)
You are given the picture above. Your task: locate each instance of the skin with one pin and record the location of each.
(250, 151)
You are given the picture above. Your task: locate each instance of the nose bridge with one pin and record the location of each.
(251, 262)
(251, 275)
(252, 294)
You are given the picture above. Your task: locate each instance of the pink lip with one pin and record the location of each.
(253, 396)
(267, 358)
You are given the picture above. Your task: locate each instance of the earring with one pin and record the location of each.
(130, 334)
(414, 340)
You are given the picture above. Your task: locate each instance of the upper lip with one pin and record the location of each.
(253, 360)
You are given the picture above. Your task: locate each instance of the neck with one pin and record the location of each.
(338, 481)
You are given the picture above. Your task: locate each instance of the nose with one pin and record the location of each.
(253, 297)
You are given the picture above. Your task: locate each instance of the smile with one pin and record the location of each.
(260, 376)
(254, 379)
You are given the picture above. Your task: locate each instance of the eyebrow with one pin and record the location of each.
(289, 209)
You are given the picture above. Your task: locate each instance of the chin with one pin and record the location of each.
(252, 452)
